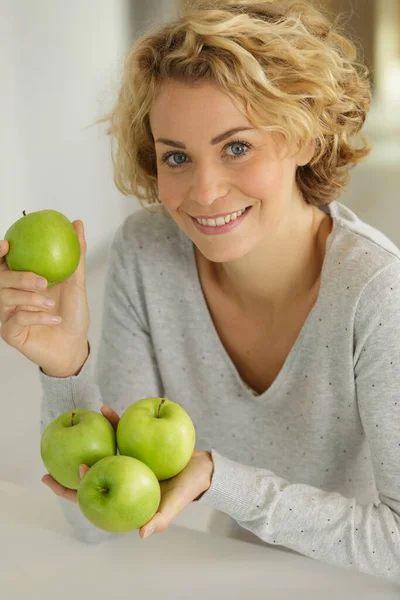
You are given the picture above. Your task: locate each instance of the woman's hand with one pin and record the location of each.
(59, 348)
(176, 493)
(72, 495)
(180, 491)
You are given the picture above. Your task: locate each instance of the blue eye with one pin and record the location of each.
(237, 145)
(178, 154)
(180, 157)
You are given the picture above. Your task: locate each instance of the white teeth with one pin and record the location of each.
(221, 220)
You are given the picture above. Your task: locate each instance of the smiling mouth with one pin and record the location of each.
(220, 220)
(222, 225)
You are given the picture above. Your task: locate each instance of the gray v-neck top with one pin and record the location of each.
(313, 463)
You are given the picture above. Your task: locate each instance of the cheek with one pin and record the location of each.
(260, 179)
(169, 190)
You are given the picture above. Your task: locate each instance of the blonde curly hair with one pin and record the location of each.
(284, 65)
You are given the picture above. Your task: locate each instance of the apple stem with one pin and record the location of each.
(105, 490)
(159, 408)
(72, 418)
(24, 213)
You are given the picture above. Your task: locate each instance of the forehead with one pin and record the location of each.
(198, 106)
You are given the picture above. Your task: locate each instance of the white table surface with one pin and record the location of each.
(41, 559)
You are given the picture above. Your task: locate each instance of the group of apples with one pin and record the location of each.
(155, 438)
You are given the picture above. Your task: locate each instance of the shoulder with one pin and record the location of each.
(361, 273)
(361, 238)
(367, 267)
(361, 254)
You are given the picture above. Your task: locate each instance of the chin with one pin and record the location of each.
(223, 251)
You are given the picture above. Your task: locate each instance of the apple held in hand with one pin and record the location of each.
(76, 437)
(119, 494)
(159, 433)
(45, 243)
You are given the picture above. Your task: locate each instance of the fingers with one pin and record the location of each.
(14, 328)
(60, 490)
(111, 415)
(20, 308)
(11, 300)
(11, 297)
(24, 280)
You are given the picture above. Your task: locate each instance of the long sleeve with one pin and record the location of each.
(326, 525)
(125, 370)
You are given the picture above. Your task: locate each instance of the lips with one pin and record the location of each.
(221, 229)
(220, 214)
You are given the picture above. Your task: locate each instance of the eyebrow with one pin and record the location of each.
(216, 140)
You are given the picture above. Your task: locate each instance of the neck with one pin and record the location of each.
(281, 269)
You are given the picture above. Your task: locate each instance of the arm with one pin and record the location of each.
(125, 370)
(328, 526)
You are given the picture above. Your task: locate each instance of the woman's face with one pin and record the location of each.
(207, 171)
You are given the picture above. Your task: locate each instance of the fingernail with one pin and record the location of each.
(40, 283)
(148, 532)
(48, 302)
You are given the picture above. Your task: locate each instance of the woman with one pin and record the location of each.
(243, 290)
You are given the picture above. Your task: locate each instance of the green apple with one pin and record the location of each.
(158, 432)
(118, 494)
(76, 437)
(43, 242)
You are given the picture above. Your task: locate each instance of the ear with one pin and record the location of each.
(305, 155)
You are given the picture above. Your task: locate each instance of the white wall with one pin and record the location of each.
(61, 64)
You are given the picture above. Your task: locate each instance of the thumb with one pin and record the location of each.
(170, 506)
(110, 414)
(4, 248)
(158, 523)
(79, 276)
(82, 470)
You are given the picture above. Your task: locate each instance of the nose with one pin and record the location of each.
(208, 185)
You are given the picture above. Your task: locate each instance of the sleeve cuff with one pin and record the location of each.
(67, 388)
(234, 487)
